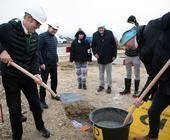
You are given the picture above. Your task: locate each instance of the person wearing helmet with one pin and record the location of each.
(132, 60)
(48, 60)
(19, 43)
(132, 19)
(152, 41)
(105, 50)
(79, 55)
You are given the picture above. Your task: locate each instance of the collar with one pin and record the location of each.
(25, 30)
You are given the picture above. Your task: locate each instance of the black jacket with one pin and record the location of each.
(104, 46)
(79, 51)
(48, 49)
(154, 49)
(21, 47)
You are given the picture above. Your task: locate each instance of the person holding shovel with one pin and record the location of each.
(48, 60)
(19, 43)
(154, 49)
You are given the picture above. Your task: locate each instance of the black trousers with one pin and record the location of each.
(13, 87)
(159, 103)
(52, 70)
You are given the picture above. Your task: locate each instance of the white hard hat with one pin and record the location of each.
(101, 25)
(37, 13)
(55, 25)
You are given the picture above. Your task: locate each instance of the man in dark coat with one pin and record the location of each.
(19, 43)
(105, 50)
(48, 60)
(154, 49)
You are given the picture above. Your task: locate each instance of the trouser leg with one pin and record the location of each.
(84, 69)
(136, 63)
(29, 88)
(44, 76)
(13, 98)
(101, 74)
(128, 64)
(54, 80)
(78, 72)
(160, 102)
(109, 74)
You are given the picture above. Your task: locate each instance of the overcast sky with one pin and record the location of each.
(72, 14)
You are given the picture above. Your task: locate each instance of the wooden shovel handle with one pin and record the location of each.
(128, 117)
(33, 77)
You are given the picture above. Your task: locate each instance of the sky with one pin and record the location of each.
(87, 14)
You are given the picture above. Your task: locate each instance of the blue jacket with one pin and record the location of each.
(47, 49)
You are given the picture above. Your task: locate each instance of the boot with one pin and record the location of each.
(43, 105)
(136, 88)
(127, 87)
(79, 86)
(44, 132)
(100, 89)
(84, 86)
(56, 97)
(109, 90)
(23, 118)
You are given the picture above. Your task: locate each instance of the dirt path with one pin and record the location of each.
(54, 117)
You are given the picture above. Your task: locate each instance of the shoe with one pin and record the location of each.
(23, 118)
(84, 86)
(100, 89)
(55, 98)
(127, 87)
(79, 86)
(109, 90)
(44, 105)
(44, 132)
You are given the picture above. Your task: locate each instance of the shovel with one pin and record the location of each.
(33, 77)
(128, 117)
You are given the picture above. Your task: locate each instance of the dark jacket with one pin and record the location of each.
(47, 49)
(21, 47)
(79, 51)
(104, 46)
(154, 49)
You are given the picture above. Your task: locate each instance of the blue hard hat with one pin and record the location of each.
(128, 35)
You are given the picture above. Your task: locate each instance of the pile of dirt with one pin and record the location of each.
(78, 109)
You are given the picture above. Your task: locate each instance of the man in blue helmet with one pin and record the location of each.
(154, 51)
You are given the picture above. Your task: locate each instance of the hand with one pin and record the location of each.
(138, 102)
(113, 58)
(38, 79)
(42, 66)
(97, 56)
(5, 57)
